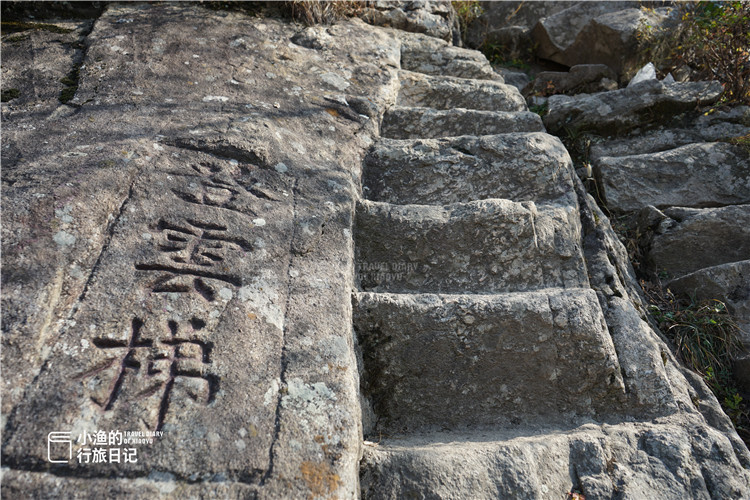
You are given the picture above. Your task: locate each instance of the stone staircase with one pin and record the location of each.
(192, 275)
(474, 314)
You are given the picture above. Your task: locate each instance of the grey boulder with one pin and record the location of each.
(696, 175)
(620, 111)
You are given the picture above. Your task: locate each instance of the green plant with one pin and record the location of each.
(467, 11)
(711, 38)
(17, 38)
(9, 94)
(540, 109)
(499, 54)
(494, 52)
(706, 338)
(16, 26)
(67, 94)
(743, 141)
(705, 335)
(71, 84)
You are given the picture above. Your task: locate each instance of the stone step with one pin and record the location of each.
(520, 166)
(486, 246)
(402, 122)
(485, 360)
(425, 54)
(675, 460)
(447, 92)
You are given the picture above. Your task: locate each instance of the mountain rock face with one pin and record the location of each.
(251, 259)
(569, 33)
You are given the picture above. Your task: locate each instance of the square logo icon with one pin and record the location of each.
(59, 447)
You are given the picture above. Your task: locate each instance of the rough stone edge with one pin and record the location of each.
(16, 482)
(612, 276)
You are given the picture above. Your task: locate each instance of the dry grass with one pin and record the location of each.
(707, 339)
(313, 12)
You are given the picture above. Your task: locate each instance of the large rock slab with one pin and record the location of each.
(595, 33)
(444, 92)
(484, 246)
(161, 338)
(59, 211)
(719, 125)
(39, 65)
(675, 460)
(478, 354)
(402, 122)
(431, 56)
(519, 167)
(692, 239)
(696, 175)
(509, 24)
(168, 245)
(619, 111)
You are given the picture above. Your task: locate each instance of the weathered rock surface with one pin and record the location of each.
(468, 344)
(696, 175)
(417, 89)
(719, 125)
(35, 64)
(402, 122)
(518, 167)
(688, 460)
(509, 24)
(431, 56)
(416, 322)
(433, 18)
(595, 33)
(619, 111)
(173, 241)
(487, 246)
(181, 257)
(581, 79)
(517, 78)
(690, 239)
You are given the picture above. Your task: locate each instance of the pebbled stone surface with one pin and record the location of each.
(695, 175)
(431, 56)
(689, 460)
(434, 18)
(495, 246)
(486, 360)
(426, 123)
(517, 166)
(620, 111)
(170, 255)
(445, 92)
